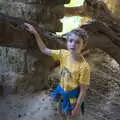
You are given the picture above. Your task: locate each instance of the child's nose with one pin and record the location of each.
(73, 44)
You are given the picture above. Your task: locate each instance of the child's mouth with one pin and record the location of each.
(72, 48)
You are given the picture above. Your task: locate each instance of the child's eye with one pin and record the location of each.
(71, 40)
(77, 42)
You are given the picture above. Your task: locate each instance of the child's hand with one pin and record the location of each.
(30, 28)
(76, 110)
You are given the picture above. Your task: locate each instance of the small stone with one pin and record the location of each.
(45, 108)
(19, 115)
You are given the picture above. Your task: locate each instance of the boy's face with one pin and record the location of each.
(74, 44)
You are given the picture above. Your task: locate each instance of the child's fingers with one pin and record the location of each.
(76, 110)
(29, 27)
(26, 26)
(73, 112)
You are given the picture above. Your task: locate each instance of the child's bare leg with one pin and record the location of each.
(63, 117)
(75, 118)
(80, 117)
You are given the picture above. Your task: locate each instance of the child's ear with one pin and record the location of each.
(84, 50)
(84, 44)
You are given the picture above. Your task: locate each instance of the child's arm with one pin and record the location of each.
(40, 43)
(76, 110)
(84, 82)
(83, 89)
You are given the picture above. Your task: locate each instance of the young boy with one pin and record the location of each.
(74, 71)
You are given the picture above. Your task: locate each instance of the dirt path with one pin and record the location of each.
(103, 102)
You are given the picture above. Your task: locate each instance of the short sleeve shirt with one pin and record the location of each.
(73, 73)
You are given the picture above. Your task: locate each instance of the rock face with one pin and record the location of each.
(24, 71)
(114, 6)
(103, 29)
(40, 11)
(28, 67)
(102, 103)
(103, 96)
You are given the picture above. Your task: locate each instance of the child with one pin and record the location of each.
(74, 71)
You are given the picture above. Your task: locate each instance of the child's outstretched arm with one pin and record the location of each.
(40, 43)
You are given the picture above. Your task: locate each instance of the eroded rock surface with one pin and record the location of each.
(102, 103)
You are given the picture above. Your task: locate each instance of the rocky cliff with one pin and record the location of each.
(26, 71)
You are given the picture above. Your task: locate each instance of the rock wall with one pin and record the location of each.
(41, 11)
(24, 72)
(20, 69)
(113, 6)
(102, 103)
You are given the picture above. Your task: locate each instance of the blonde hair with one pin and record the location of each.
(81, 33)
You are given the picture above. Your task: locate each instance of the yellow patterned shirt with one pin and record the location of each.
(72, 73)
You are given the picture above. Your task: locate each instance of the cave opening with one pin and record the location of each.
(71, 22)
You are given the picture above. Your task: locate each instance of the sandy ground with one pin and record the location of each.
(41, 107)
(103, 102)
(38, 106)
(27, 107)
